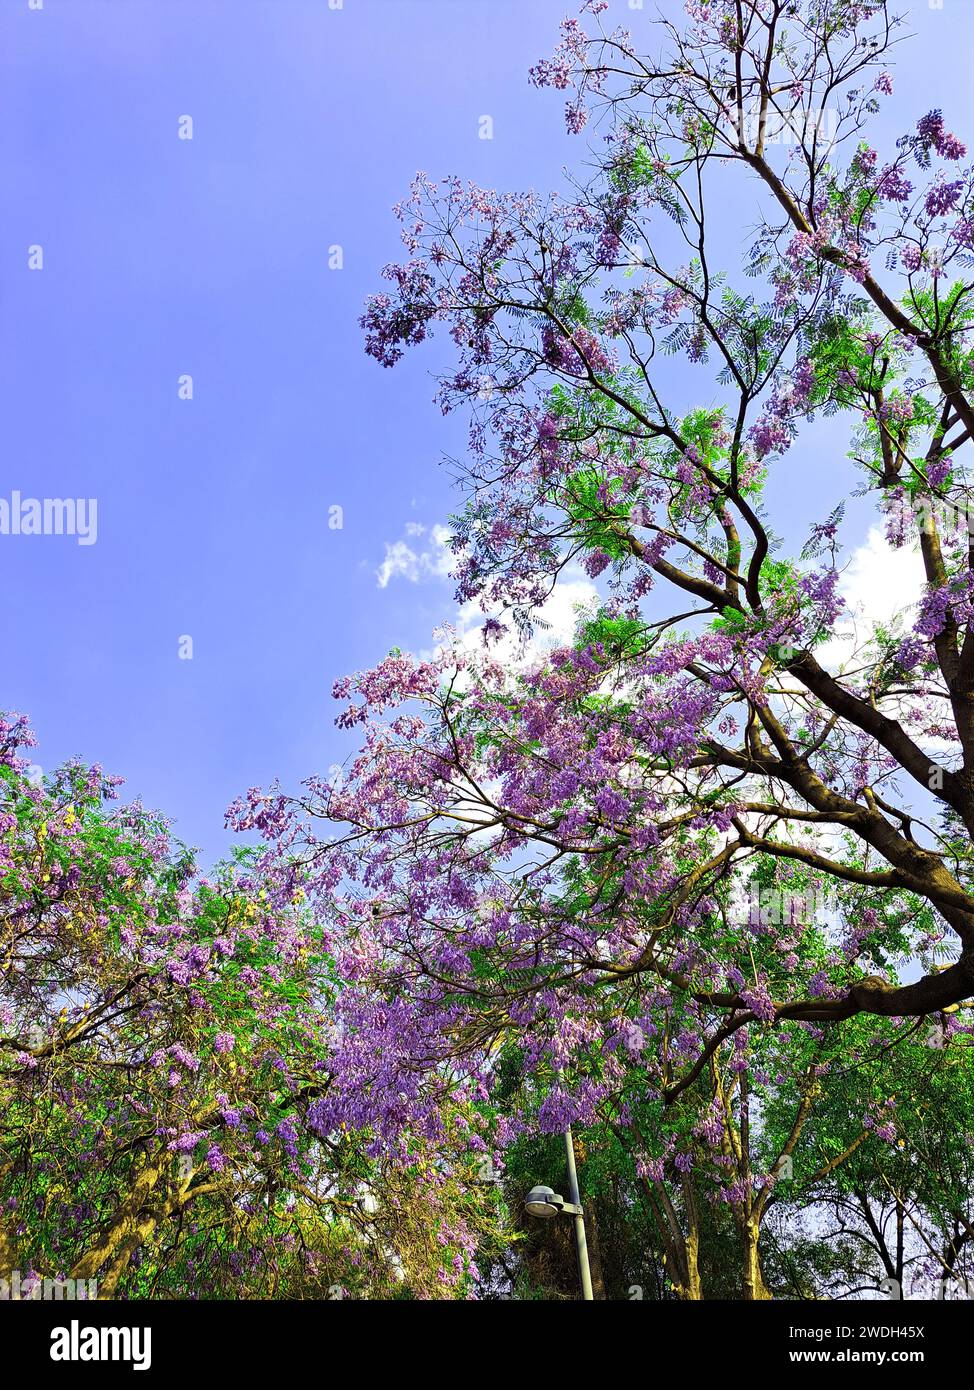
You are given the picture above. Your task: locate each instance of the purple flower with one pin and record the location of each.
(942, 197)
(892, 186)
(185, 1143)
(216, 1158)
(932, 135)
(289, 1136)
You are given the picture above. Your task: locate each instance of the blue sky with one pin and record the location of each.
(210, 257)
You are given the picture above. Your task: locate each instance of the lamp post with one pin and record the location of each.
(544, 1203)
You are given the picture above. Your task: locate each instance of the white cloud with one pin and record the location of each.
(559, 616)
(879, 584)
(435, 560)
(423, 553)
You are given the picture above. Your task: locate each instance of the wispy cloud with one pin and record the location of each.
(423, 553)
(879, 585)
(556, 618)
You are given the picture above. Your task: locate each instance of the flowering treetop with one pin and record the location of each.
(557, 852)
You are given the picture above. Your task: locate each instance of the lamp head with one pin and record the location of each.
(543, 1202)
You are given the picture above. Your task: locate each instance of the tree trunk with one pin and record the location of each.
(754, 1286)
(692, 1289)
(136, 1217)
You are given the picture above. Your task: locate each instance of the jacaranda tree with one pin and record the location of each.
(554, 856)
(699, 881)
(164, 1039)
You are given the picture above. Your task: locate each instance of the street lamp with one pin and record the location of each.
(545, 1203)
